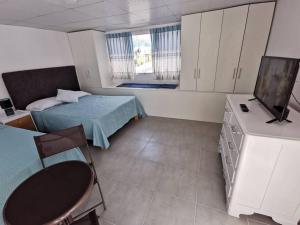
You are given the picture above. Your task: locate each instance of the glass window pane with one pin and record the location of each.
(142, 53)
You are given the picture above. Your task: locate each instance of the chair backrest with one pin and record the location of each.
(60, 141)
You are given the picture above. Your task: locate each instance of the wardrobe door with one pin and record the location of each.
(190, 30)
(233, 27)
(210, 31)
(254, 46)
(84, 55)
(78, 57)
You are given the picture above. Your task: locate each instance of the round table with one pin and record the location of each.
(50, 195)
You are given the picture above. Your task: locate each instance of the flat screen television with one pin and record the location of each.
(275, 82)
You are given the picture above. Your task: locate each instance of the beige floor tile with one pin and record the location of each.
(154, 151)
(156, 171)
(179, 183)
(129, 147)
(105, 222)
(189, 158)
(209, 216)
(167, 210)
(211, 190)
(211, 162)
(145, 174)
(117, 167)
(257, 219)
(127, 204)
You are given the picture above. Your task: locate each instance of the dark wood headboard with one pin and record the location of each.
(28, 86)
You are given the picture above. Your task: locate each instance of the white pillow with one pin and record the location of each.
(70, 96)
(43, 104)
(82, 93)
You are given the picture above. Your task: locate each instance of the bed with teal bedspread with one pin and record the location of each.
(19, 159)
(101, 116)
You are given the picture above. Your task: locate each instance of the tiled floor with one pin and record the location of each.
(162, 171)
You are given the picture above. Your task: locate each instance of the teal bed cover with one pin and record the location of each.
(101, 116)
(19, 159)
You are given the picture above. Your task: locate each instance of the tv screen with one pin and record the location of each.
(275, 82)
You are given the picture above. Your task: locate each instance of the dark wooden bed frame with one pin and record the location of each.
(28, 86)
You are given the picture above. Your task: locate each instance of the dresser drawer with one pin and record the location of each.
(230, 168)
(232, 150)
(237, 133)
(227, 113)
(24, 122)
(223, 157)
(228, 107)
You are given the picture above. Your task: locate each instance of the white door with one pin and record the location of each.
(255, 42)
(190, 30)
(211, 25)
(234, 21)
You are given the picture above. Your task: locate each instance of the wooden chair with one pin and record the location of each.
(63, 140)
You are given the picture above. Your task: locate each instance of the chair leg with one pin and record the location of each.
(96, 177)
(94, 217)
(98, 184)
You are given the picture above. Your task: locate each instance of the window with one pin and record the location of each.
(142, 53)
(147, 55)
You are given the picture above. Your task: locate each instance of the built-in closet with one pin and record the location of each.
(222, 49)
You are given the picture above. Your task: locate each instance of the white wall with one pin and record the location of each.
(285, 35)
(28, 48)
(176, 103)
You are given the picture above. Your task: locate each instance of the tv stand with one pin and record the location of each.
(260, 162)
(273, 120)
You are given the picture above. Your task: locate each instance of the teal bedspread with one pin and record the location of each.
(101, 116)
(19, 159)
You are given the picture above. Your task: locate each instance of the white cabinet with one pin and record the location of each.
(221, 50)
(90, 59)
(190, 32)
(234, 23)
(260, 162)
(200, 36)
(210, 32)
(254, 45)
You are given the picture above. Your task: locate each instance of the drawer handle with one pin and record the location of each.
(227, 160)
(222, 135)
(234, 130)
(230, 145)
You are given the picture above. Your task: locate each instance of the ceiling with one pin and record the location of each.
(104, 15)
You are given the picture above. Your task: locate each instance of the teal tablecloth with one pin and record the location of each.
(19, 159)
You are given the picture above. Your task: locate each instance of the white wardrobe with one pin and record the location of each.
(222, 49)
(91, 59)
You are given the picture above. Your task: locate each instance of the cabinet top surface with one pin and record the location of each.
(254, 121)
(18, 114)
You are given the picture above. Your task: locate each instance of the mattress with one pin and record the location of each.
(101, 116)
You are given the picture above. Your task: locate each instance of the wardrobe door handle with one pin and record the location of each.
(195, 74)
(240, 73)
(234, 71)
(199, 72)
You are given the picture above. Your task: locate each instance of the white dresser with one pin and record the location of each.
(261, 161)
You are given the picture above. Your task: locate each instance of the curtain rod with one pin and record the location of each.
(141, 29)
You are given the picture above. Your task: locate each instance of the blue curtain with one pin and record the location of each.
(120, 49)
(166, 57)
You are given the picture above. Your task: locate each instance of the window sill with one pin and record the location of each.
(147, 85)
